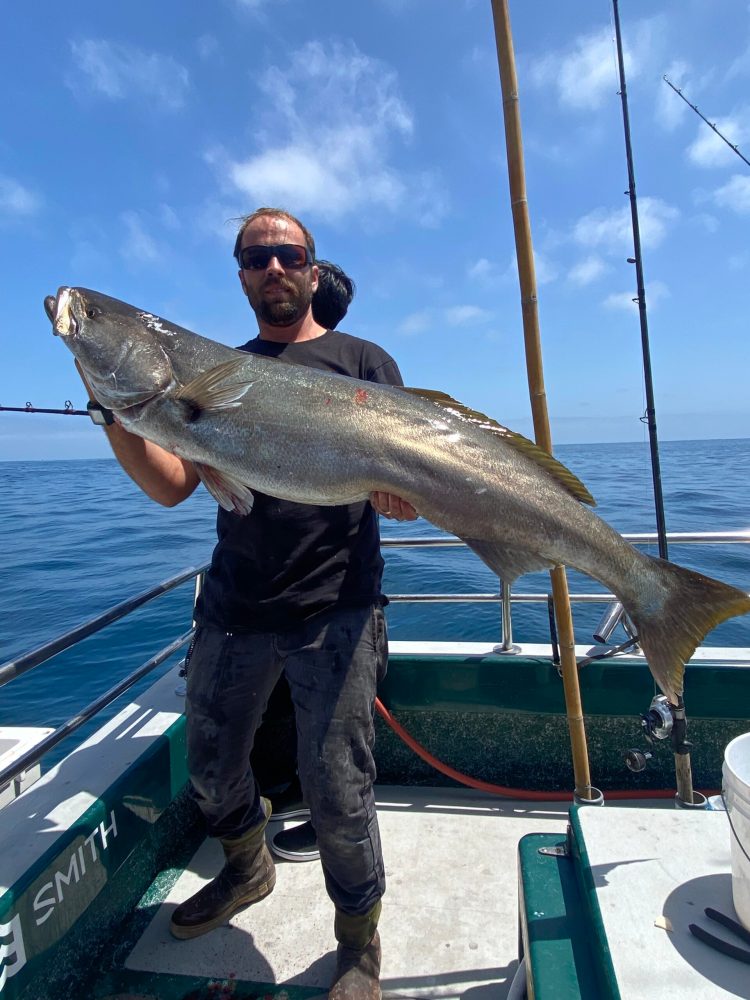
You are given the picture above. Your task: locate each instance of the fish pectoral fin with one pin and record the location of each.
(226, 490)
(508, 562)
(215, 389)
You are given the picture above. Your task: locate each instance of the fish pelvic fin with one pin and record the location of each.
(505, 560)
(670, 633)
(218, 388)
(549, 463)
(226, 490)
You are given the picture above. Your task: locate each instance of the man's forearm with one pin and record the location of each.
(162, 476)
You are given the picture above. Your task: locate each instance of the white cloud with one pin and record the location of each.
(415, 322)
(332, 99)
(612, 230)
(463, 315)
(118, 72)
(168, 217)
(17, 200)
(670, 108)
(207, 46)
(708, 150)
(138, 246)
(735, 194)
(218, 219)
(740, 66)
(587, 270)
(482, 270)
(620, 300)
(545, 269)
(655, 292)
(707, 221)
(583, 75)
(293, 175)
(425, 319)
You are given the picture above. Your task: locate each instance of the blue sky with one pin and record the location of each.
(134, 133)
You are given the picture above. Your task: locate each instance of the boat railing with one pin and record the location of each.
(14, 668)
(614, 612)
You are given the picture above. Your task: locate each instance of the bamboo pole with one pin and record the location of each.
(535, 374)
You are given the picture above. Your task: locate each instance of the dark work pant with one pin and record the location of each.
(332, 664)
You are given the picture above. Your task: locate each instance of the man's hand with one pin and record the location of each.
(393, 507)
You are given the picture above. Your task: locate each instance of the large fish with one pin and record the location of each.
(250, 422)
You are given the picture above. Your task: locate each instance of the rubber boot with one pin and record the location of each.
(247, 877)
(357, 956)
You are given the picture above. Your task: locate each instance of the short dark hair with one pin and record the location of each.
(333, 295)
(274, 213)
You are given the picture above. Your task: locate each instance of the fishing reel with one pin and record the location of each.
(657, 725)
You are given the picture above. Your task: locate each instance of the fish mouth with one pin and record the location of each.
(60, 311)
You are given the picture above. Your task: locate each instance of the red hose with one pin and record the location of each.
(511, 793)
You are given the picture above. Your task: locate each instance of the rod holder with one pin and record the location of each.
(699, 801)
(595, 797)
(609, 621)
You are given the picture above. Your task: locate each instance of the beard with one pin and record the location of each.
(282, 312)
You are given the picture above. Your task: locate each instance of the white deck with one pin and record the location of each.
(655, 871)
(449, 925)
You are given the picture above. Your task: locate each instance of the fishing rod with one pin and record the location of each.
(29, 408)
(637, 259)
(680, 744)
(710, 124)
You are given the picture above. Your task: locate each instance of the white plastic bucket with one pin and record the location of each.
(736, 774)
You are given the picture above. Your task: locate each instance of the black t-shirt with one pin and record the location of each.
(286, 561)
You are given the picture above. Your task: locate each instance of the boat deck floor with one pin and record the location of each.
(449, 926)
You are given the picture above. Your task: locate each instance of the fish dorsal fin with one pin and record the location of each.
(212, 391)
(563, 475)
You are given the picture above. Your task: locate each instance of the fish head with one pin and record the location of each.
(122, 358)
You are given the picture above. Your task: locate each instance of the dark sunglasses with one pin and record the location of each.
(289, 255)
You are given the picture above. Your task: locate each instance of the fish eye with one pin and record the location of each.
(92, 312)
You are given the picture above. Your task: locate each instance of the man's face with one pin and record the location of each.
(278, 296)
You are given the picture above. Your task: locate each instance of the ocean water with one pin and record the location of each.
(77, 537)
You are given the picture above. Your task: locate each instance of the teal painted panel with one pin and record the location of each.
(713, 689)
(561, 964)
(78, 873)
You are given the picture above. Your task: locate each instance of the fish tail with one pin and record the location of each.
(673, 616)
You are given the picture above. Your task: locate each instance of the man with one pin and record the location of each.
(330, 303)
(292, 588)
